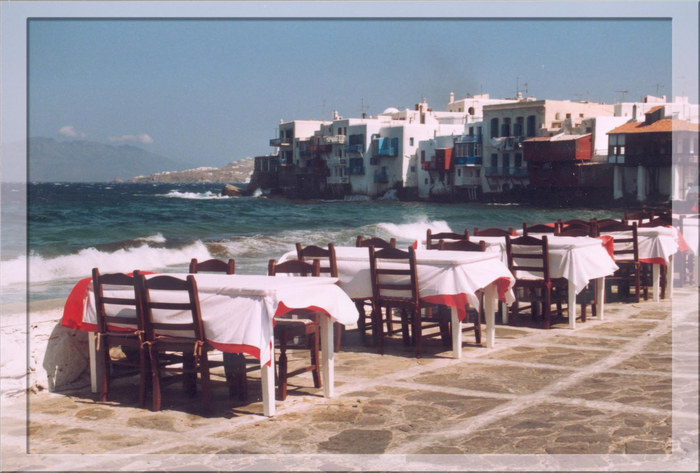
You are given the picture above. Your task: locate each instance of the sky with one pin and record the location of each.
(208, 91)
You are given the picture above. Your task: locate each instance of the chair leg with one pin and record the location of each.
(389, 322)
(417, 332)
(477, 325)
(405, 332)
(236, 378)
(145, 376)
(282, 368)
(205, 380)
(378, 327)
(155, 380)
(103, 368)
(316, 371)
(547, 309)
(361, 322)
(189, 382)
(339, 329)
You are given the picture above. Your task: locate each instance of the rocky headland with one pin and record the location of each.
(237, 171)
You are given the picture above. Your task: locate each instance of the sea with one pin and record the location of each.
(120, 227)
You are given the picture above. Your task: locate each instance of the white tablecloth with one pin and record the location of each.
(577, 259)
(656, 244)
(440, 273)
(238, 310)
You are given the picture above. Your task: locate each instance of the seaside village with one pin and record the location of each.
(484, 148)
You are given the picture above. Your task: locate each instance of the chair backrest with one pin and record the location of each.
(329, 265)
(462, 245)
(493, 232)
(170, 296)
(213, 266)
(376, 242)
(576, 223)
(603, 224)
(625, 245)
(531, 261)
(539, 228)
(295, 267)
(661, 221)
(639, 216)
(575, 232)
(432, 239)
(393, 273)
(115, 281)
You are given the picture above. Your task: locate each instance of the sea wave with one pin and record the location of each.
(79, 265)
(414, 231)
(195, 195)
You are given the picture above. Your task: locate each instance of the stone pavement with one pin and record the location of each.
(616, 394)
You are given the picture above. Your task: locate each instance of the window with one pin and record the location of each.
(478, 130)
(518, 160)
(506, 160)
(494, 160)
(459, 172)
(505, 127)
(568, 115)
(413, 169)
(410, 141)
(531, 131)
(471, 131)
(494, 128)
(477, 149)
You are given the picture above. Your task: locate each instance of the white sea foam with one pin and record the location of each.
(195, 195)
(414, 231)
(157, 238)
(80, 265)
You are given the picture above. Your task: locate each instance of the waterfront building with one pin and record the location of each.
(506, 126)
(654, 159)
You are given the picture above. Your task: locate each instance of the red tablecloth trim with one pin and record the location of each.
(283, 309)
(661, 261)
(236, 348)
(415, 245)
(73, 309)
(609, 244)
(682, 244)
(459, 301)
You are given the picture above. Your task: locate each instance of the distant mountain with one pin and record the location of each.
(88, 161)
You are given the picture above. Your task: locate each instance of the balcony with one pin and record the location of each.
(468, 139)
(385, 147)
(468, 161)
(496, 172)
(357, 148)
(381, 178)
(319, 148)
(518, 172)
(616, 159)
(280, 142)
(333, 140)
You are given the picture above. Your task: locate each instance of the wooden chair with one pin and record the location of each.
(662, 221)
(306, 325)
(432, 240)
(329, 267)
(469, 246)
(576, 224)
(395, 286)
(602, 224)
(183, 337)
(363, 304)
(539, 228)
(575, 232)
(115, 330)
(626, 255)
(493, 232)
(538, 290)
(376, 242)
(212, 266)
(234, 363)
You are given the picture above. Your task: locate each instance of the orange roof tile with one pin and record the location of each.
(655, 109)
(659, 126)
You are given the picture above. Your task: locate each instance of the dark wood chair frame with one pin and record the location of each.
(433, 239)
(190, 345)
(362, 242)
(330, 269)
(234, 363)
(493, 232)
(287, 328)
(540, 228)
(108, 335)
(630, 270)
(410, 304)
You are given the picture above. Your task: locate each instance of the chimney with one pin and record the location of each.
(452, 97)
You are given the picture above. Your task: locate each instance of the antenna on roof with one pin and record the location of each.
(623, 92)
(363, 108)
(658, 86)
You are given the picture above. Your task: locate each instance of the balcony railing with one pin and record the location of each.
(468, 181)
(280, 142)
(320, 148)
(468, 160)
(496, 171)
(359, 148)
(335, 139)
(356, 170)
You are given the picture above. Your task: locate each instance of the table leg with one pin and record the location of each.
(327, 368)
(655, 272)
(600, 297)
(572, 305)
(93, 361)
(669, 278)
(267, 375)
(456, 335)
(490, 301)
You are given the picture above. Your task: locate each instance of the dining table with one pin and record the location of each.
(238, 313)
(657, 245)
(450, 278)
(579, 260)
